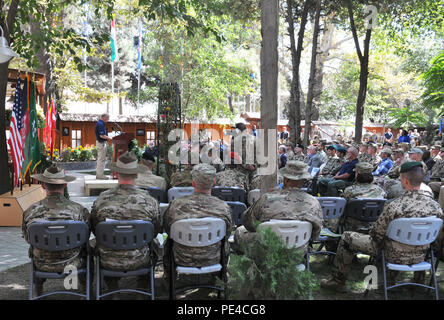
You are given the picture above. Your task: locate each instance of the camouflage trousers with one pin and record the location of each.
(330, 187)
(241, 238)
(350, 244)
(435, 186)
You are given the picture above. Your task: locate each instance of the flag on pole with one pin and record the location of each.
(32, 145)
(46, 133)
(52, 125)
(113, 42)
(15, 140)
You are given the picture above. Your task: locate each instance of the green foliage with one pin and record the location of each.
(136, 149)
(433, 81)
(268, 270)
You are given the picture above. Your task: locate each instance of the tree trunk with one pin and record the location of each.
(269, 77)
(295, 108)
(4, 169)
(311, 81)
(324, 46)
(363, 74)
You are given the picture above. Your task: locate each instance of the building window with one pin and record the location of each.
(76, 138)
(150, 137)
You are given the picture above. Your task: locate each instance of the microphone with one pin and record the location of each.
(119, 127)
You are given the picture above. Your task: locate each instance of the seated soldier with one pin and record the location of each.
(330, 186)
(54, 207)
(200, 204)
(374, 158)
(414, 203)
(148, 179)
(232, 176)
(289, 203)
(437, 174)
(125, 202)
(333, 164)
(362, 188)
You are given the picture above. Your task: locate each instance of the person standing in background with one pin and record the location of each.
(101, 138)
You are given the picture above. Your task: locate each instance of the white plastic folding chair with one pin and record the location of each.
(253, 196)
(294, 233)
(197, 232)
(413, 232)
(178, 192)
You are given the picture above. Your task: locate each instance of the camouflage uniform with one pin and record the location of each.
(281, 204)
(364, 157)
(410, 205)
(149, 180)
(197, 205)
(436, 175)
(55, 207)
(181, 178)
(232, 178)
(332, 167)
(125, 202)
(374, 161)
(298, 157)
(360, 190)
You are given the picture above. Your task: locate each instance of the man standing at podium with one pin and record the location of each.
(101, 138)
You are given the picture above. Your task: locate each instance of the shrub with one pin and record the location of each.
(85, 155)
(268, 270)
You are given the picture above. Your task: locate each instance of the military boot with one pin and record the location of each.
(334, 284)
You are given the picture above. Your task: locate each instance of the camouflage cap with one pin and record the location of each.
(295, 170)
(387, 150)
(416, 150)
(364, 167)
(398, 151)
(204, 174)
(126, 164)
(436, 146)
(53, 175)
(409, 165)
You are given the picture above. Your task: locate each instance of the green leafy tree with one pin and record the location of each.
(269, 270)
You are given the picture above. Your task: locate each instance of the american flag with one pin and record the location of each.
(15, 140)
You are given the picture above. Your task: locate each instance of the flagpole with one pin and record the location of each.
(112, 84)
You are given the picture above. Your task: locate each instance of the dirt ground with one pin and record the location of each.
(14, 285)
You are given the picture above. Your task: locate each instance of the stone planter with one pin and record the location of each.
(78, 165)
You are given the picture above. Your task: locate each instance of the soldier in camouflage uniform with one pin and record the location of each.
(200, 204)
(244, 144)
(148, 179)
(437, 174)
(363, 155)
(54, 207)
(374, 158)
(181, 178)
(233, 176)
(333, 164)
(362, 188)
(289, 203)
(412, 204)
(125, 202)
(298, 155)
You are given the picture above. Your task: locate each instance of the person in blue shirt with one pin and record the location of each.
(283, 158)
(330, 186)
(386, 163)
(404, 137)
(101, 139)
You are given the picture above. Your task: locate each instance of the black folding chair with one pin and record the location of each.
(56, 236)
(156, 193)
(365, 210)
(237, 211)
(229, 193)
(124, 235)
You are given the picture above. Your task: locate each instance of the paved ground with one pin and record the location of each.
(14, 249)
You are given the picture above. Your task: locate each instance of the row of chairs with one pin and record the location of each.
(125, 235)
(409, 231)
(223, 193)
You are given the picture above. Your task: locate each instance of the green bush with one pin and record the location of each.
(268, 271)
(86, 155)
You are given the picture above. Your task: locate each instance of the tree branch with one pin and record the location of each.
(353, 29)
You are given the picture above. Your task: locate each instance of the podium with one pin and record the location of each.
(120, 143)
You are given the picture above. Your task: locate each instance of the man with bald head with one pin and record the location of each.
(330, 186)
